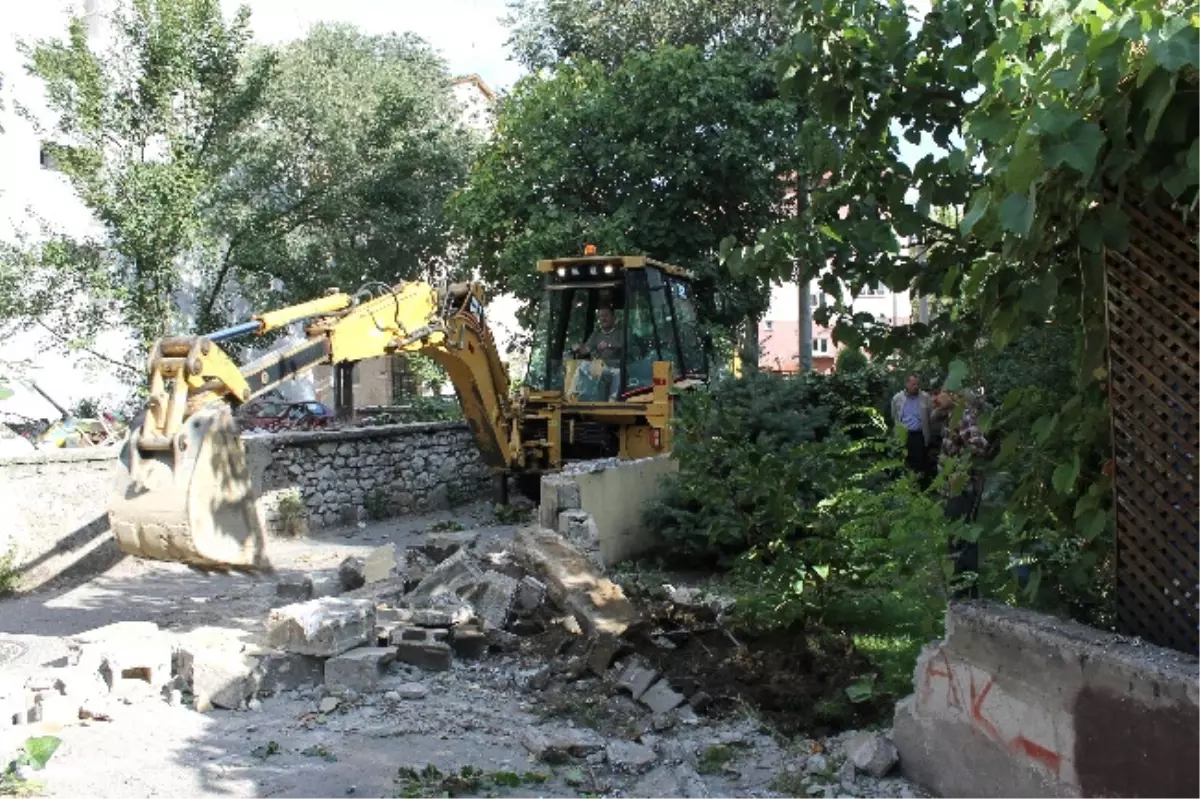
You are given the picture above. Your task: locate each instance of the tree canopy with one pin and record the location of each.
(666, 154)
(345, 176)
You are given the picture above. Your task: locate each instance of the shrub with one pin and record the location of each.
(9, 575)
(293, 514)
(851, 359)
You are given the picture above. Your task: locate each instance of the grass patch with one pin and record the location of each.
(896, 658)
(9, 575)
(714, 759)
(584, 710)
(447, 526)
(469, 780)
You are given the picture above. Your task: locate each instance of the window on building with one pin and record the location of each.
(875, 290)
(820, 345)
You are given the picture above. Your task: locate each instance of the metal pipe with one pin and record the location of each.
(233, 332)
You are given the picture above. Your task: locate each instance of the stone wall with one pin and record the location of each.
(1014, 703)
(345, 476)
(56, 501)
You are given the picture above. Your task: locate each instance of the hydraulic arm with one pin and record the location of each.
(189, 496)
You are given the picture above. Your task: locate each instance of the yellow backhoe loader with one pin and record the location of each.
(616, 334)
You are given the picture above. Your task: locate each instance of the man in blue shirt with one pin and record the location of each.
(910, 409)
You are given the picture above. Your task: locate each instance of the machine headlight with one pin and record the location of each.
(608, 269)
(562, 271)
(574, 271)
(595, 270)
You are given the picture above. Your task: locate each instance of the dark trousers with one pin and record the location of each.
(918, 459)
(965, 506)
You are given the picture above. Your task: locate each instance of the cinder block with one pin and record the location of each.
(358, 669)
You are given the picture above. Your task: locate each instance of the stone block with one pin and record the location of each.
(352, 572)
(636, 678)
(661, 698)
(406, 634)
(502, 640)
(359, 669)
(874, 754)
(678, 781)
(323, 627)
(430, 655)
(387, 591)
(602, 653)
(296, 587)
(446, 616)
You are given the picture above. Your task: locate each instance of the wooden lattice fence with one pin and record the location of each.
(1154, 352)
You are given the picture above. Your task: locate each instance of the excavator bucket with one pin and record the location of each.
(192, 503)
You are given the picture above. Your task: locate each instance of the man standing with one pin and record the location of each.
(910, 409)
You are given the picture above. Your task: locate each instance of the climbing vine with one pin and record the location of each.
(1046, 118)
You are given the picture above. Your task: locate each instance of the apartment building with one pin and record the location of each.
(779, 331)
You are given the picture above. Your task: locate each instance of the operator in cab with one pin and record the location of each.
(607, 343)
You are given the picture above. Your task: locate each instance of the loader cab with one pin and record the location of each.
(653, 308)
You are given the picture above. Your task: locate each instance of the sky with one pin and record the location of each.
(468, 33)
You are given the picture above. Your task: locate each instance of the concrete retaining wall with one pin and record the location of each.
(56, 501)
(614, 493)
(1014, 703)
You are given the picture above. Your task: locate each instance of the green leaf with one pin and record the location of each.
(956, 374)
(40, 750)
(1016, 212)
(831, 233)
(1055, 120)
(1159, 97)
(1025, 167)
(1175, 46)
(979, 206)
(5, 392)
(860, 691)
(1115, 224)
(1078, 152)
(1065, 475)
(1043, 427)
(1093, 523)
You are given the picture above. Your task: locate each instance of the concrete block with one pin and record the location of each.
(574, 584)
(660, 698)
(636, 678)
(446, 616)
(578, 527)
(401, 635)
(217, 677)
(430, 655)
(287, 671)
(493, 603)
(359, 669)
(128, 651)
(297, 587)
(531, 593)
(389, 591)
(326, 583)
(468, 643)
(324, 627)
(456, 572)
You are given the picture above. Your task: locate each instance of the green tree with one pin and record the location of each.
(666, 155)
(1038, 110)
(345, 179)
(547, 32)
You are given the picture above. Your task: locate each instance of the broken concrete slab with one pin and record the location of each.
(661, 698)
(557, 744)
(677, 781)
(418, 634)
(456, 572)
(574, 584)
(636, 677)
(380, 564)
(629, 757)
(325, 583)
(430, 655)
(352, 573)
(494, 601)
(388, 591)
(296, 587)
(602, 653)
(324, 627)
(439, 546)
(359, 669)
